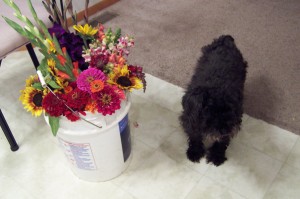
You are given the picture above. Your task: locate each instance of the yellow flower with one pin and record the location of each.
(32, 99)
(50, 45)
(51, 62)
(31, 80)
(86, 30)
(61, 82)
(54, 72)
(51, 68)
(121, 78)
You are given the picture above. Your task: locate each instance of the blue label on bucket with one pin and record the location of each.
(123, 123)
(125, 137)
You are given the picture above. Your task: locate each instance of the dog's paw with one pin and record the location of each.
(216, 160)
(194, 155)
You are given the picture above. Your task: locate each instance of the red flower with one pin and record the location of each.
(53, 106)
(77, 99)
(73, 117)
(107, 101)
(70, 116)
(98, 60)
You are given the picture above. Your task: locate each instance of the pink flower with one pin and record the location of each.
(87, 76)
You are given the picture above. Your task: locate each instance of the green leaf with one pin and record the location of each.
(43, 48)
(43, 66)
(53, 84)
(15, 26)
(37, 86)
(54, 124)
(13, 6)
(32, 10)
(118, 35)
(29, 35)
(57, 45)
(44, 28)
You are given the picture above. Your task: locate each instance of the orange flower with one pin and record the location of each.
(61, 59)
(75, 69)
(97, 85)
(121, 60)
(62, 74)
(112, 58)
(68, 89)
(91, 106)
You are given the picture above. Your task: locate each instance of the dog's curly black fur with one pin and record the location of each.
(213, 102)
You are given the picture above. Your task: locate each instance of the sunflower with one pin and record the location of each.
(31, 80)
(85, 30)
(121, 78)
(32, 99)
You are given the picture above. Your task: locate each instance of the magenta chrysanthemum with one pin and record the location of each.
(87, 76)
(107, 101)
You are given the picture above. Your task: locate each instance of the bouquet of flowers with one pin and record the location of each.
(83, 71)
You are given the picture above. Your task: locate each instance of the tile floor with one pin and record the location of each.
(264, 160)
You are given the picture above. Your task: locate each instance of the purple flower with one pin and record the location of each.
(57, 30)
(73, 44)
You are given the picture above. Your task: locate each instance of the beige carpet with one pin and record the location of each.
(170, 33)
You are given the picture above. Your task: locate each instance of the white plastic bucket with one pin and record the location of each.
(97, 154)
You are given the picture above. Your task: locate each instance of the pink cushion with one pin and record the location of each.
(10, 40)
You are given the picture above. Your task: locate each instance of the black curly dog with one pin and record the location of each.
(213, 102)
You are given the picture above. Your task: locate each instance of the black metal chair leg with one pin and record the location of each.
(7, 132)
(32, 55)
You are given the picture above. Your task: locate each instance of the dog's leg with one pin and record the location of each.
(216, 153)
(195, 149)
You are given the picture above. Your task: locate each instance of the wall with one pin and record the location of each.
(79, 5)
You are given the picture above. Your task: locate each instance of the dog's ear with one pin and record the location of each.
(227, 40)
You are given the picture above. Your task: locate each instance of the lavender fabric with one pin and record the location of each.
(10, 40)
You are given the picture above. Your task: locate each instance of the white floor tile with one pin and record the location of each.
(163, 93)
(160, 177)
(286, 184)
(209, 189)
(155, 123)
(175, 147)
(294, 156)
(10, 189)
(269, 139)
(247, 171)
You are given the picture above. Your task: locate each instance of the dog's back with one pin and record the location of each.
(213, 100)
